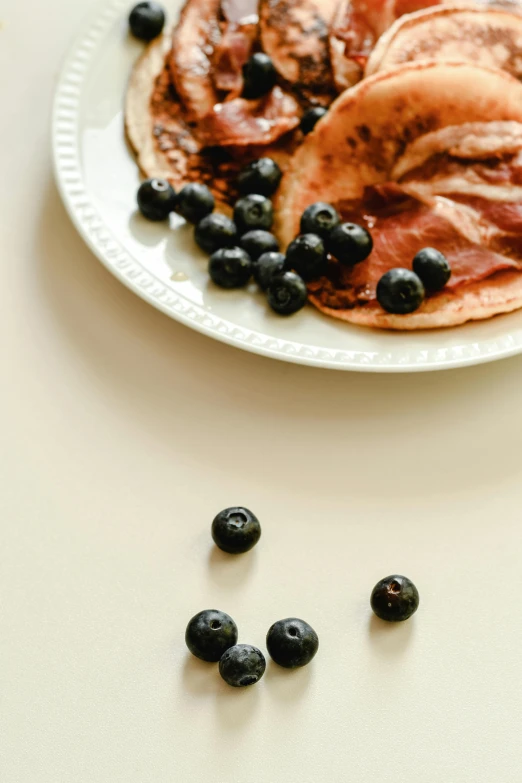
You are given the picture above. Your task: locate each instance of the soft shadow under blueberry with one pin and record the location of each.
(202, 680)
(231, 570)
(145, 232)
(199, 677)
(288, 685)
(390, 639)
(235, 707)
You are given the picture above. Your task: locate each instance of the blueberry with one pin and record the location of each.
(147, 21)
(307, 256)
(266, 267)
(292, 643)
(214, 232)
(319, 218)
(262, 176)
(259, 75)
(432, 267)
(311, 118)
(287, 293)
(195, 202)
(236, 530)
(253, 211)
(156, 199)
(258, 242)
(350, 243)
(230, 267)
(209, 634)
(394, 598)
(400, 291)
(242, 665)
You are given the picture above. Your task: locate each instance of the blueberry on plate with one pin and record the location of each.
(259, 75)
(253, 211)
(433, 268)
(214, 232)
(261, 176)
(258, 242)
(287, 293)
(242, 665)
(350, 243)
(156, 199)
(147, 21)
(394, 598)
(267, 266)
(230, 267)
(292, 643)
(400, 291)
(319, 218)
(236, 530)
(195, 202)
(311, 118)
(210, 634)
(307, 256)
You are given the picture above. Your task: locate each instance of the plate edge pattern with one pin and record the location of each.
(69, 176)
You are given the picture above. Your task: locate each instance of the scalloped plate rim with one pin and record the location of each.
(66, 146)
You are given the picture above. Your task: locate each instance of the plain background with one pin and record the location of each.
(123, 434)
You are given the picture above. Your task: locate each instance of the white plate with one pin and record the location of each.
(98, 180)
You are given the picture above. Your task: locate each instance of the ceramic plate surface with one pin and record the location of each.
(98, 179)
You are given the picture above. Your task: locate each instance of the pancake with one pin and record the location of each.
(491, 37)
(163, 138)
(426, 154)
(294, 33)
(359, 27)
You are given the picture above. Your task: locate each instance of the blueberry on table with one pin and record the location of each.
(242, 665)
(292, 643)
(394, 598)
(350, 243)
(236, 530)
(156, 199)
(319, 218)
(261, 176)
(253, 211)
(258, 242)
(147, 21)
(214, 232)
(210, 634)
(433, 268)
(230, 267)
(259, 75)
(195, 201)
(400, 291)
(307, 256)
(287, 293)
(311, 118)
(267, 266)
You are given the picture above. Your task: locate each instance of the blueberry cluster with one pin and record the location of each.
(212, 635)
(402, 291)
(241, 247)
(244, 247)
(399, 290)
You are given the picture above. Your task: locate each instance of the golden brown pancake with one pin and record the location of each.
(432, 154)
(491, 37)
(294, 33)
(359, 26)
(164, 140)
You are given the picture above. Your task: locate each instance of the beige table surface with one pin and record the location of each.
(123, 433)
